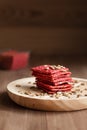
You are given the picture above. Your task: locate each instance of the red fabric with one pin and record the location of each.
(13, 60)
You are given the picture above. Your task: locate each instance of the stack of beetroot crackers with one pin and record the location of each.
(52, 78)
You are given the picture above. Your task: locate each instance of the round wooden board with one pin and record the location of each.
(47, 104)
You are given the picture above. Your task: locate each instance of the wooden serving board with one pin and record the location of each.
(25, 93)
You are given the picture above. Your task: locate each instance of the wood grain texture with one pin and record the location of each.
(44, 40)
(14, 117)
(44, 27)
(44, 13)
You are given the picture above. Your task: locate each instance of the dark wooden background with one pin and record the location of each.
(49, 27)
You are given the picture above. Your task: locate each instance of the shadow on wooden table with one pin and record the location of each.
(7, 104)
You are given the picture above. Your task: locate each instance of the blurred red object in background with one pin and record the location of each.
(13, 60)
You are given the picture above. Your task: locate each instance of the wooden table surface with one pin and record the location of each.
(15, 117)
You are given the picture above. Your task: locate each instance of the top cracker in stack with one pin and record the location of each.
(52, 78)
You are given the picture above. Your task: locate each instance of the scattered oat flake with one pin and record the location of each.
(77, 84)
(18, 85)
(26, 93)
(29, 82)
(34, 83)
(82, 83)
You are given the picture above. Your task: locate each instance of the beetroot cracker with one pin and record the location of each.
(52, 78)
(48, 69)
(64, 85)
